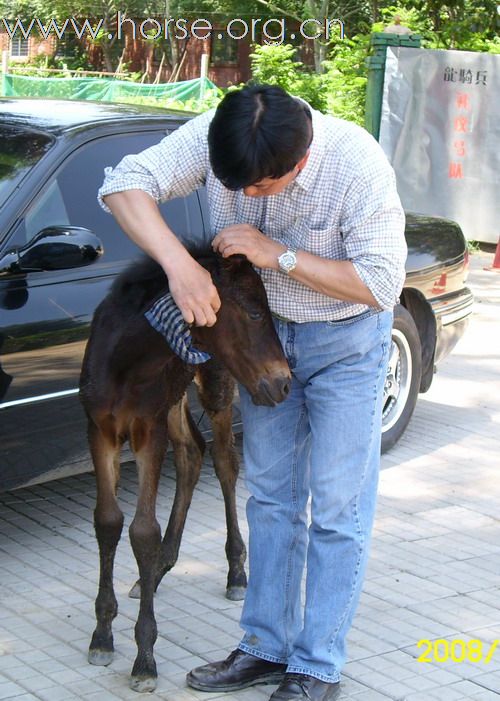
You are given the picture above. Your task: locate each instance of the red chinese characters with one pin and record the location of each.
(462, 119)
(461, 126)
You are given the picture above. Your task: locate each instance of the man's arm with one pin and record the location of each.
(334, 278)
(190, 285)
(173, 168)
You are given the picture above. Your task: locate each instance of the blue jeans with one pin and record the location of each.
(322, 442)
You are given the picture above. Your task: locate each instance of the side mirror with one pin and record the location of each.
(53, 248)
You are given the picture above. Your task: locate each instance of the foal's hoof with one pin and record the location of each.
(143, 684)
(135, 592)
(100, 658)
(235, 593)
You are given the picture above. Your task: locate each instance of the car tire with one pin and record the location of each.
(402, 381)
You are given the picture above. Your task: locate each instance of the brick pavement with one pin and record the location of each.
(434, 571)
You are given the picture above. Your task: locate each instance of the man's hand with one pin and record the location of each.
(194, 293)
(334, 278)
(249, 241)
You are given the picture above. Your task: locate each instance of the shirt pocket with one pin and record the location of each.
(323, 241)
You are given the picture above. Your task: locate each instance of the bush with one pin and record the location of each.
(211, 99)
(339, 91)
(346, 77)
(274, 64)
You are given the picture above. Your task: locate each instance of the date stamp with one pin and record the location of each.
(442, 650)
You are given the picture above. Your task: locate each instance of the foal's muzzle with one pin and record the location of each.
(272, 391)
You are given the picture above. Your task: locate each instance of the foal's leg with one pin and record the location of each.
(216, 390)
(148, 440)
(189, 446)
(108, 522)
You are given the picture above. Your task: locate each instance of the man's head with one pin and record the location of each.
(259, 139)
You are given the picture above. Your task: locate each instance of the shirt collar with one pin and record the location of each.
(305, 179)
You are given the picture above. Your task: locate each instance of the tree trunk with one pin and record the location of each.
(106, 44)
(320, 54)
(106, 56)
(318, 9)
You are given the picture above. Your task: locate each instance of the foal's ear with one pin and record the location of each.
(234, 261)
(226, 265)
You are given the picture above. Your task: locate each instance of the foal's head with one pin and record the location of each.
(243, 337)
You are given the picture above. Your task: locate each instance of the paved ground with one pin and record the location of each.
(434, 573)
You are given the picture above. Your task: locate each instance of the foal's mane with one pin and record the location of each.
(144, 279)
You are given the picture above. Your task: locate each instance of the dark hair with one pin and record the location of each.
(258, 132)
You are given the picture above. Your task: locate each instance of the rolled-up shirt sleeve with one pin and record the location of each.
(174, 167)
(373, 227)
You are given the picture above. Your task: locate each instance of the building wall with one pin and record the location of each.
(35, 47)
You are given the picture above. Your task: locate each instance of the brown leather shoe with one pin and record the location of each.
(302, 687)
(238, 671)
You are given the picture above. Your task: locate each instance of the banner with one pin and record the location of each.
(440, 129)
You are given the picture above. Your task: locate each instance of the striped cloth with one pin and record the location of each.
(166, 318)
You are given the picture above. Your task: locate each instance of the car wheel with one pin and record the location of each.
(402, 381)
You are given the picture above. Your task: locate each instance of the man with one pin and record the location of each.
(311, 201)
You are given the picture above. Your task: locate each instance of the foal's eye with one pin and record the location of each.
(255, 316)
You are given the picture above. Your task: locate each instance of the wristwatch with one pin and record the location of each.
(287, 261)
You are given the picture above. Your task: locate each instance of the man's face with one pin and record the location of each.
(273, 186)
(270, 186)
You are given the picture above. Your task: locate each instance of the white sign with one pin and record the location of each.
(440, 129)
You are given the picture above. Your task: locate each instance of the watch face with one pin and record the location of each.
(287, 260)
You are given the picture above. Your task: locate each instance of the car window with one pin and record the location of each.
(70, 197)
(48, 210)
(20, 150)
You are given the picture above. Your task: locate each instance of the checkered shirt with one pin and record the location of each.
(343, 206)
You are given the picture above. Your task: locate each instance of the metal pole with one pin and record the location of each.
(5, 69)
(203, 74)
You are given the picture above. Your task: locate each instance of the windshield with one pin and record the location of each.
(20, 149)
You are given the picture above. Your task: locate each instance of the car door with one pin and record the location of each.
(45, 316)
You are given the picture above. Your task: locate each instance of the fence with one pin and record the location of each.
(104, 89)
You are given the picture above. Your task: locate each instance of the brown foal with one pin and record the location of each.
(133, 388)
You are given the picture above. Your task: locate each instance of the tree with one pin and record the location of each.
(349, 14)
(275, 65)
(462, 24)
(106, 13)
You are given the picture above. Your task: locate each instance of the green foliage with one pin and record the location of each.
(24, 9)
(211, 99)
(493, 45)
(466, 25)
(340, 90)
(473, 246)
(346, 78)
(78, 61)
(410, 17)
(274, 64)
(51, 63)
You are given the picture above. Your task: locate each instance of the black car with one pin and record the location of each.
(59, 253)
